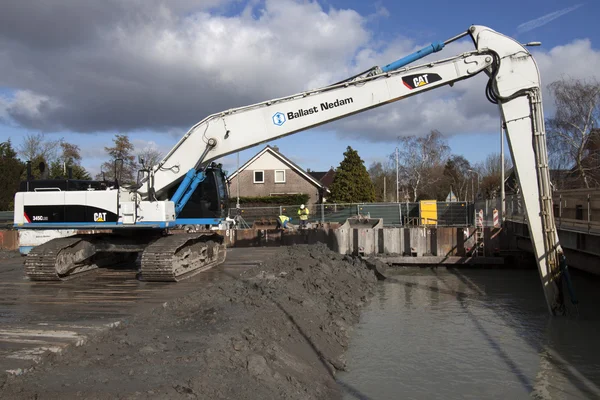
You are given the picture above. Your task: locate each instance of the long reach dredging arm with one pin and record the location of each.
(514, 84)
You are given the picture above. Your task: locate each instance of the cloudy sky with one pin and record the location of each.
(84, 70)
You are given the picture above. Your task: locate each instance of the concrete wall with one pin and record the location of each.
(416, 242)
(441, 242)
(582, 250)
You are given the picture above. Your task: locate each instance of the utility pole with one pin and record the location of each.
(472, 190)
(502, 194)
(384, 198)
(472, 184)
(397, 179)
(237, 181)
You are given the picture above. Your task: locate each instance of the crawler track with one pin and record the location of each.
(59, 259)
(180, 256)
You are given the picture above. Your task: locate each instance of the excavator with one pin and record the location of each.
(187, 187)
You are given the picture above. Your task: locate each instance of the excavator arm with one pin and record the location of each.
(241, 128)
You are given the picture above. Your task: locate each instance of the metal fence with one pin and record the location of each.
(393, 214)
(6, 219)
(571, 211)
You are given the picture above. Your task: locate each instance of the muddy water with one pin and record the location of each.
(479, 334)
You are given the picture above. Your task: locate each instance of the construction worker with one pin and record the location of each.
(282, 221)
(303, 214)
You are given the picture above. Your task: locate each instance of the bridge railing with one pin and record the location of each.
(572, 211)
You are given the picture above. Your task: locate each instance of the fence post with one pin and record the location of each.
(559, 210)
(589, 214)
(280, 210)
(467, 214)
(323, 213)
(357, 210)
(400, 214)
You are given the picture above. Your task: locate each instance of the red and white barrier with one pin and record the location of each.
(480, 218)
(496, 219)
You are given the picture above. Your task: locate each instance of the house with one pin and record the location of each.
(270, 173)
(326, 179)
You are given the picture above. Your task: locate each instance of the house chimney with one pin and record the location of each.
(276, 148)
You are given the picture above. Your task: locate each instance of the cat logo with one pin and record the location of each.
(100, 217)
(416, 81)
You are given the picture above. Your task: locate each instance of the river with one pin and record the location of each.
(473, 334)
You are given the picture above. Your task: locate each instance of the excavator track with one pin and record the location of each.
(60, 259)
(180, 256)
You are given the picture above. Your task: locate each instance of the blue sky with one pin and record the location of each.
(383, 26)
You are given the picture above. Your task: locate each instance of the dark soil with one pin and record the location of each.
(278, 331)
(5, 254)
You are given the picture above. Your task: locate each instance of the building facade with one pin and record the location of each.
(269, 173)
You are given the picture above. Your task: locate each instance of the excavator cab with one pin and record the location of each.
(210, 200)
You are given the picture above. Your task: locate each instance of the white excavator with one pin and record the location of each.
(187, 187)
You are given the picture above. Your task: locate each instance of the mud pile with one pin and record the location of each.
(277, 331)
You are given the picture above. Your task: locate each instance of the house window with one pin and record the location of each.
(279, 176)
(259, 176)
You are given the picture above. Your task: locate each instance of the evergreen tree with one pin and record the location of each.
(126, 167)
(11, 168)
(352, 183)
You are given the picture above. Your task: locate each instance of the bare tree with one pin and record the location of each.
(489, 173)
(420, 160)
(383, 177)
(456, 170)
(122, 164)
(70, 157)
(150, 155)
(573, 130)
(36, 146)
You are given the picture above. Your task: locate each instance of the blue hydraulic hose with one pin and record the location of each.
(432, 48)
(193, 185)
(183, 185)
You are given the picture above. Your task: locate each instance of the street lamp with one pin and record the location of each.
(397, 179)
(472, 185)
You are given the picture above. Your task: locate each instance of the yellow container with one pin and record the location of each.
(428, 212)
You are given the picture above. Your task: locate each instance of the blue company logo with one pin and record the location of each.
(279, 118)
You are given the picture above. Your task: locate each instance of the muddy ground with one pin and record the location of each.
(278, 331)
(5, 254)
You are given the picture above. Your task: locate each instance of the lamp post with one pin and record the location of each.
(237, 182)
(472, 184)
(502, 194)
(397, 178)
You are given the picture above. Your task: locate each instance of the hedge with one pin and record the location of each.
(288, 199)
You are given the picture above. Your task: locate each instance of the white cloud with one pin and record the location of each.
(166, 66)
(545, 19)
(4, 103)
(164, 69)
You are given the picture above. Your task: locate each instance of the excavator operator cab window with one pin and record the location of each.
(210, 198)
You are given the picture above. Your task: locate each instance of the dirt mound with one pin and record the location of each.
(278, 331)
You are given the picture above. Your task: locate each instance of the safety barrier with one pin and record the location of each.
(448, 214)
